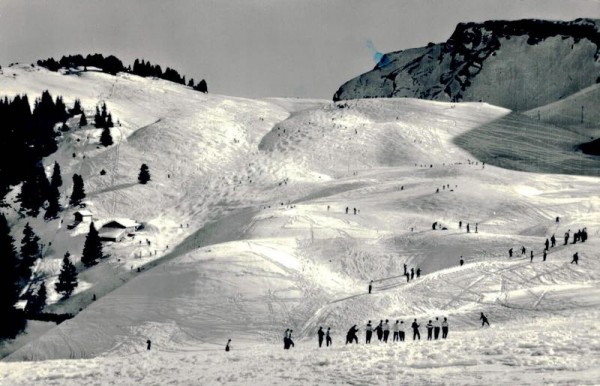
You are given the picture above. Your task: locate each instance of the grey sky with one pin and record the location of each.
(302, 48)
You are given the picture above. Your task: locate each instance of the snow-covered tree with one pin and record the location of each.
(105, 138)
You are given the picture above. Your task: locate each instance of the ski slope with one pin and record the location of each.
(263, 186)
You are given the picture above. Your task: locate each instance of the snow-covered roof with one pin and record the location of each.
(84, 212)
(124, 222)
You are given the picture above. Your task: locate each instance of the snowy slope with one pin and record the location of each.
(266, 255)
(516, 64)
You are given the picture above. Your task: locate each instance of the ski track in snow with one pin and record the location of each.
(262, 253)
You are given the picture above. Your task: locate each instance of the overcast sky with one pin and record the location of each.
(255, 48)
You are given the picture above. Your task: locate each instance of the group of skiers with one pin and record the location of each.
(580, 235)
(382, 331)
(468, 227)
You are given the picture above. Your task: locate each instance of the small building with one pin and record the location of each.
(117, 229)
(83, 215)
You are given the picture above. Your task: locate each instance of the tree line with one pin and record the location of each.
(113, 65)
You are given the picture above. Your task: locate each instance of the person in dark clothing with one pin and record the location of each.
(401, 331)
(149, 343)
(368, 332)
(547, 244)
(429, 330)
(567, 236)
(576, 236)
(418, 273)
(476, 225)
(445, 328)
(379, 330)
(461, 261)
(468, 229)
(412, 273)
(354, 210)
(227, 348)
(544, 257)
(434, 225)
(484, 320)
(290, 341)
(370, 286)
(351, 335)
(407, 277)
(415, 328)
(460, 225)
(328, 337)
(552, 241)
(346, 210)
(523, 251)
(286, 344)
(531, 261)
(510, 252)
(575, 258)
(436, 328)
(584, 235)
(557, 219)
(405, 269)
(321, 335)
(396, 330)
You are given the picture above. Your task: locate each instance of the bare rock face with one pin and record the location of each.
(519, 64)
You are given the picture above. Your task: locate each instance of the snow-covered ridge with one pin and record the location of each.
(515, 64)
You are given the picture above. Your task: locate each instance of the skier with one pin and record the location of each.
(553, 241)
(584, 235)
(415, 328)
(544, 258)
(434, 225)
(575, 258)
(368, 332)
(476, 225)
(412, 273)
(386, 331)
(461, 261)
(396, 330)
(510, 252)
(557, 219)
(290, 341)
(407, 277)
(531, 261)
(286, 343)
(401, 331)
(436, 328)
(405, 269)
(227, 348)
(328, 340)
(445, 328)
(149, 343)
(321, 334)
(429, 327)
(370, 286)
(460, 225)
(547, 243)
(346, 210)
(468, 229)
(523, 251)
(567, 236)
(351, 335)
(379, 330)
(418, 273)
(484, 320)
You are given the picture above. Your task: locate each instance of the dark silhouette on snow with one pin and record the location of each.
(445, 328)
(401, 331)
(552, 241)
(547, 244)
(149, 343)
(415, 328)
(328, 337)
(418, 273)
(468, 229)
(567, 236)
(575, 258)
(429, 330)
(510, 252)
(531, 260)
(321, 335)
(368, 332)
(484, 320)
(370, 286)
(351, 335)
(544, 256)
(523, 251)
(227, 348)
(386, 331)
(436, 328)
(379, 330)
(462, 262)
(412, 273)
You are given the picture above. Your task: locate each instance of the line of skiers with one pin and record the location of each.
(580, 235)
(382, 331)
(460, 223)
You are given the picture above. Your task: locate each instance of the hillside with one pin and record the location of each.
(519, 64)
(264, 186)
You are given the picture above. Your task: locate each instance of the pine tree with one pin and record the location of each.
(65, 127)
(30, 251)
(37, 301)
(144, 175)
(53, 204)
(109, 122)
(83, 120)
(56, 179)
(67, 278)
(191, 83)
(105, 138)
(76, 108)
(202, 87)
(92, 249)
(34, 190)
(78, 193)
(98, 119)
(12, 320)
